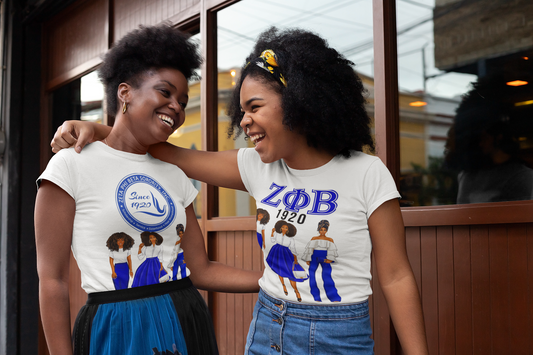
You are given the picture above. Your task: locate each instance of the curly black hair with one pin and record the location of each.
(142, 50)
(486, 109)
(324, 98)
(266, 215)
(292, 229)
(145, 238)
(112, 241)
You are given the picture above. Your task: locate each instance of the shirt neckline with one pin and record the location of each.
(314, 171)
(122, 154)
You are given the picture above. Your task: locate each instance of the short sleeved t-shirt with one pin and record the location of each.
(123, 196)
(328, 266)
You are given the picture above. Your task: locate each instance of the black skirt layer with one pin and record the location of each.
(191, 309)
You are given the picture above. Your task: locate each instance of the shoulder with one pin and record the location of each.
(167, 167)
(360, 162)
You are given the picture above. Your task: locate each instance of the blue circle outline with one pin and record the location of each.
(128, 217)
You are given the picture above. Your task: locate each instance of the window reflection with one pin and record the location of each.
(347, 25)
(92, 97)
(466, 133)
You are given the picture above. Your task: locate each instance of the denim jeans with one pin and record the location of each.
(289, 328)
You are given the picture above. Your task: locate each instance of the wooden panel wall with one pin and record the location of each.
(475, 284)
(75, 41)
(232, 313)
(129, 14)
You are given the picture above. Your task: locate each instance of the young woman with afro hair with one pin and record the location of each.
(301, 104)
(116, 186)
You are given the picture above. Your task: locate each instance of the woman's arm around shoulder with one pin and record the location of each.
(78, 133)
(215, 168)
(54, 217)
(211, 275)
(396, 277)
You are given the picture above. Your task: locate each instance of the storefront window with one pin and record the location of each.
(92, 98)
(466, 101)
(347, 25)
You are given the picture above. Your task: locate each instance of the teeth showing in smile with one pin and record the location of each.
(169, 121)
(256, 137)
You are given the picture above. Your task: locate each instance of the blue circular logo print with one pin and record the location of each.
(144, 204)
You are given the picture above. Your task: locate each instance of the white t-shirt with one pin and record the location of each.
(345, 192)
(116, 192)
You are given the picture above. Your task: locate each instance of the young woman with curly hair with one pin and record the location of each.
(119, 245)
(302, 105)
(116, 185)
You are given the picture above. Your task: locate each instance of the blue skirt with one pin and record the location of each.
(148, 273)
(281, 260)
(123, 276)
(167, 318)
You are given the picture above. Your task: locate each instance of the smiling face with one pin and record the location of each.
(323, 231)
(153, 239)
(120, 243)
(284, 229)
(262, 122)
(157, 107)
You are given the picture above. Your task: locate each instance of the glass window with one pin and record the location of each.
(466, 101)
(347, 25)
(91, 97)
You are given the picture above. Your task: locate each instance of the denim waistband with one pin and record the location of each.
(306, 310)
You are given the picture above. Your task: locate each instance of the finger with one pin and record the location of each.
(67, 133)
(59, 143)
(84, 137)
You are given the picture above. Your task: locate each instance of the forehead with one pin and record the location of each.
(257, 87)
(169, 76)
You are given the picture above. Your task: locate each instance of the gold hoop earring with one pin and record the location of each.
(124, 107)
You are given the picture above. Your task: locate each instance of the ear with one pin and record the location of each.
(124, 92)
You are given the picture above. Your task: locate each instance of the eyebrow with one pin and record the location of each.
(252, 99)
(168, 82)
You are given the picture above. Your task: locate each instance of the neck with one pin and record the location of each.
(122, 138)
(308, 158)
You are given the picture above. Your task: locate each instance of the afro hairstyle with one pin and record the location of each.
(292, 229)
(324, 98)
(142, 50)
(145, 238)
(112, 241)
(266, 215)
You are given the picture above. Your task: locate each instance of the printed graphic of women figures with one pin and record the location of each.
(151, 271)
(262, 219)
(178, 262)
(282, 257)
(119, 245)
(322, 251)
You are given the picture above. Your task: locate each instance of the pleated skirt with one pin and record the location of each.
(169, 318)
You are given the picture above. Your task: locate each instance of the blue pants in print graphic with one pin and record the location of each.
(123, 276)
(179, 264)
(318, 258)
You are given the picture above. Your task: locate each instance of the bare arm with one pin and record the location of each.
(54, 217)
(78, 133)
(215, 168)
(211, 275)
(396, 277)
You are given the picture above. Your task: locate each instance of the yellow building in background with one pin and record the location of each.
(423, 132)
